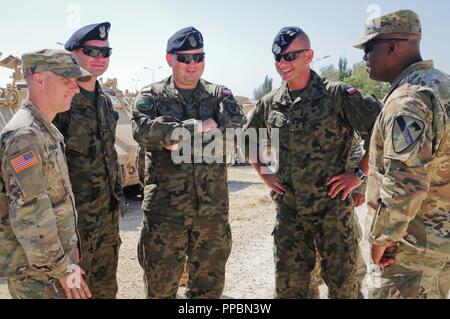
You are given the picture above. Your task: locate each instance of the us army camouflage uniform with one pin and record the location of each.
(353, 160)
(38, 238)
(409, 185)
(95, 173)
(186, 205)
(316, 132)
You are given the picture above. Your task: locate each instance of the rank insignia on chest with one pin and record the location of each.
(24, 161)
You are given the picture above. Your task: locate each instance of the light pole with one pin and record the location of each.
(136, 83)
(319, 59)
(153, 72)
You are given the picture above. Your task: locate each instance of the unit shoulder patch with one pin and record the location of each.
(407, 130)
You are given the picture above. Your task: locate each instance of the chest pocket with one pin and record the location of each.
(172, 108)
(208, 109)
(324, 124)
(81, 133)
(111, 117)
(276, 119)
(58, 175)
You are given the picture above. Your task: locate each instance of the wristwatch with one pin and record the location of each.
(359, 173)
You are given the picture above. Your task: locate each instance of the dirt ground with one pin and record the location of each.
(250, 268)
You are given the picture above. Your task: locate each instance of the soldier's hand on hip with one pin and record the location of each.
(274, 183)
(207, 125)
(343, 183)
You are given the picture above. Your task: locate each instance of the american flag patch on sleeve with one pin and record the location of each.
(24, 161)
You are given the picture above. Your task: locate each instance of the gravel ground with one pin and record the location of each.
(250, 268)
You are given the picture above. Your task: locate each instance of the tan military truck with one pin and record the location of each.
(13, 94)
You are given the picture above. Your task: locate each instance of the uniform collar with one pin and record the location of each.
(81, 99)
(423, 65)
(199, 93)
(37, 113)
(315, 90)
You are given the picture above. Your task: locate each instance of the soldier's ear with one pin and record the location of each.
(169, 59)
(309, 56)
(38, 78)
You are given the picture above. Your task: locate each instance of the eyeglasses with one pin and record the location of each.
(290, 56)
(369, 46)
(96, 51)
(188, 58)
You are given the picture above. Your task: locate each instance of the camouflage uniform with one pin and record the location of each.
(409, 185)
(95, 173)
(38, 238)
(354, 158)
(186, 205)
(316, 132)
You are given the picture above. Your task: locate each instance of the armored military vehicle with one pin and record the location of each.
(14, 93)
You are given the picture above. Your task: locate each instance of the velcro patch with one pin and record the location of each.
(407, 130)
(143, 105)
(24, 161)
(352, 91)
(227, 91)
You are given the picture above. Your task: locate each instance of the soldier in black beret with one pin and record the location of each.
(95, 173)
(316, 120)
(185, 205)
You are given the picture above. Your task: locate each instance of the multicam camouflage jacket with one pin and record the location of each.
(409, 179)
(158, 111)
(89, 133)
(316, 132)
(38, 234)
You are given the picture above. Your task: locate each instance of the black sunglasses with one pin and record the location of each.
(188, 58)
(369, 46)
(96, 51)
(290, 56)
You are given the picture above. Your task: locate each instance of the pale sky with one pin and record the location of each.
(238, 34)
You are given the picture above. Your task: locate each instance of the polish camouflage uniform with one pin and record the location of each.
(409, 176)
(316, 133)
(38, 232)
(354, 158)
(186, 205)
(95, 173)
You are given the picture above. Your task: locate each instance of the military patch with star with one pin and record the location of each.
(407, 130)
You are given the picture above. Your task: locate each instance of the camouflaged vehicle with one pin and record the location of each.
(14, 93)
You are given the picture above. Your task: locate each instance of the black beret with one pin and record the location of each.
(186, 39)
(98, 31)
(284, 38)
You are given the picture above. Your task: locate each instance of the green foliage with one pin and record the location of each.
(264, 89)
(344, 71)
(360, 79)
(357, 77)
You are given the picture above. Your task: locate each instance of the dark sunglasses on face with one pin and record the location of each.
(96, 51)
(290, 56)
(370, 45)
(188, 58)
